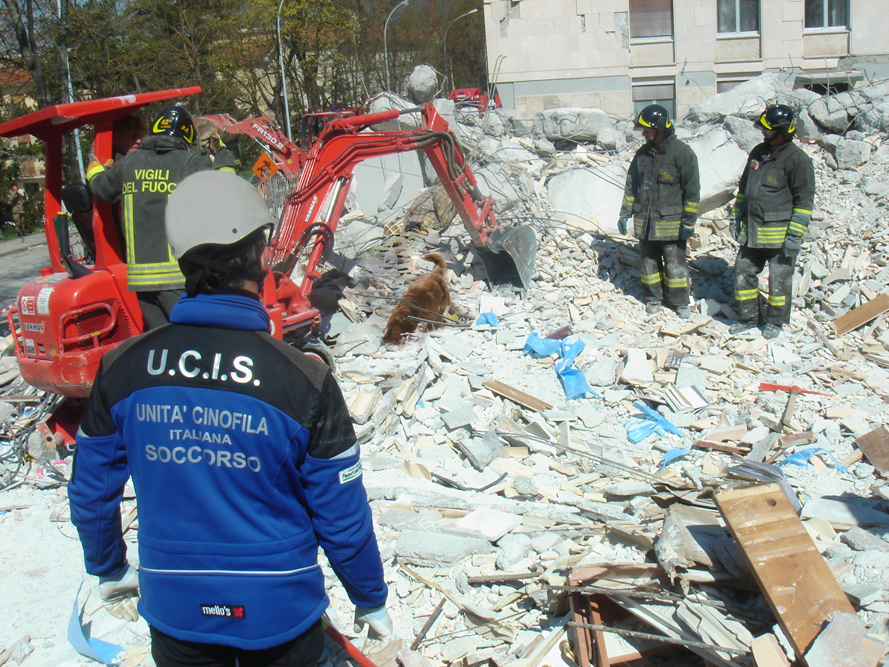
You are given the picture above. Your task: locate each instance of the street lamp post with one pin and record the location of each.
(385, 43)
(447, 63)
(283, 76)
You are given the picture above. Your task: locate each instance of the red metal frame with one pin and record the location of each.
(67, 324)
(47, 306)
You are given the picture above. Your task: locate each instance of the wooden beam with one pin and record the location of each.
(798, 584)
(875, 445)
(516, 396)
(861, 315)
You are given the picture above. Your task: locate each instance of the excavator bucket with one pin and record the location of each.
(509, 255)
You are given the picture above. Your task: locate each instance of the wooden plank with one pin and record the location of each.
(861, 315)
(875, 445)
(799, 586)
(516, 396)
(767, 652)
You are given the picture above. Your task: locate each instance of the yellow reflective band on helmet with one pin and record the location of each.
(777, 301)
(642, 121)
(651, 278)
(746, 294)
(669, 124)
(764, 122)
(791, 128)
(161, 125)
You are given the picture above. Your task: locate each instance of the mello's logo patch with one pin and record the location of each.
(224, 611)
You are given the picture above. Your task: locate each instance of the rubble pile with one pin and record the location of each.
(558, 477)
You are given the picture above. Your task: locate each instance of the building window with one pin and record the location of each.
(827, 13)
(737, 15)
(654, 93)
(651, 18)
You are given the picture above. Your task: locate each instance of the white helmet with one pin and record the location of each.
(213, 207)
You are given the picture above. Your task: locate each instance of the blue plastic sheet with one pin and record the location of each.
(801, 458)
(573, 381)
(650, 421)
(90, 647)
(674, 455)
(488, 318)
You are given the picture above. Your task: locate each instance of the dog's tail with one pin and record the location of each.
(438, 260)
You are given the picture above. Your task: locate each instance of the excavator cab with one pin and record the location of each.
(65, 320)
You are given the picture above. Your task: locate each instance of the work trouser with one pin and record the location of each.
(663, 272)
(304, 651)
(748, 265)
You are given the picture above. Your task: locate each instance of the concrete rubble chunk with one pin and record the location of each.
(489, 523)
(863, 540)
(422, 84)
(438, 548)
(576, 124)
(747, 100)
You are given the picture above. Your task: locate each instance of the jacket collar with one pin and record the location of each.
(226, 311)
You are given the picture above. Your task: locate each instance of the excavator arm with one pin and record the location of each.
(312, 211)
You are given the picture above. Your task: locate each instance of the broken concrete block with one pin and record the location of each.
(441, 547)
(688, 538)
(480, 451)
(844, 642)
(747, 100)
(638, 368)
(422, 84)
(359, 339)
(511, 549)
(574, 124)
(462, 417)
(691, 376)
(850, 153)
(602, 372)
(489, 523)
(862, 540)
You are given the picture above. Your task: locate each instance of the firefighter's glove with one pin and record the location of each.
(622, 225)
(792, 244)
(685, 232)
(120, 593)
(378, 621)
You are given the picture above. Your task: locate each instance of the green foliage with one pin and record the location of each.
(21, 207)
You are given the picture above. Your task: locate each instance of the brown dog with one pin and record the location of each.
(429, 292)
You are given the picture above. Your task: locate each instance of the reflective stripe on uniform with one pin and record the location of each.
(628, 200)
(676, 283)
(651, 278)
(796, 228)
(691, 206)
(153, 275)
(92, 171)
(666, 227)
(777, 301)
(746, 294)
(771, 235)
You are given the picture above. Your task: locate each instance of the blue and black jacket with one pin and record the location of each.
(244, 461)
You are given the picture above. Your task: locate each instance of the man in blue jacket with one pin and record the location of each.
(242, 455)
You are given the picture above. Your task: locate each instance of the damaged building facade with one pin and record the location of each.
(621, 55)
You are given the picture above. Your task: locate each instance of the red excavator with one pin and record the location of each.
(79, 307)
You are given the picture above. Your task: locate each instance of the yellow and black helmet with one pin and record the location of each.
(174, 122)
(778, 117)
(654, 116)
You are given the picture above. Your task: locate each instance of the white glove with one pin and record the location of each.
(120, 593)
(378, 620)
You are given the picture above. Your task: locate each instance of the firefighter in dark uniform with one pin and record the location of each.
(141, 182)
(770, 217)
(662, 195)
